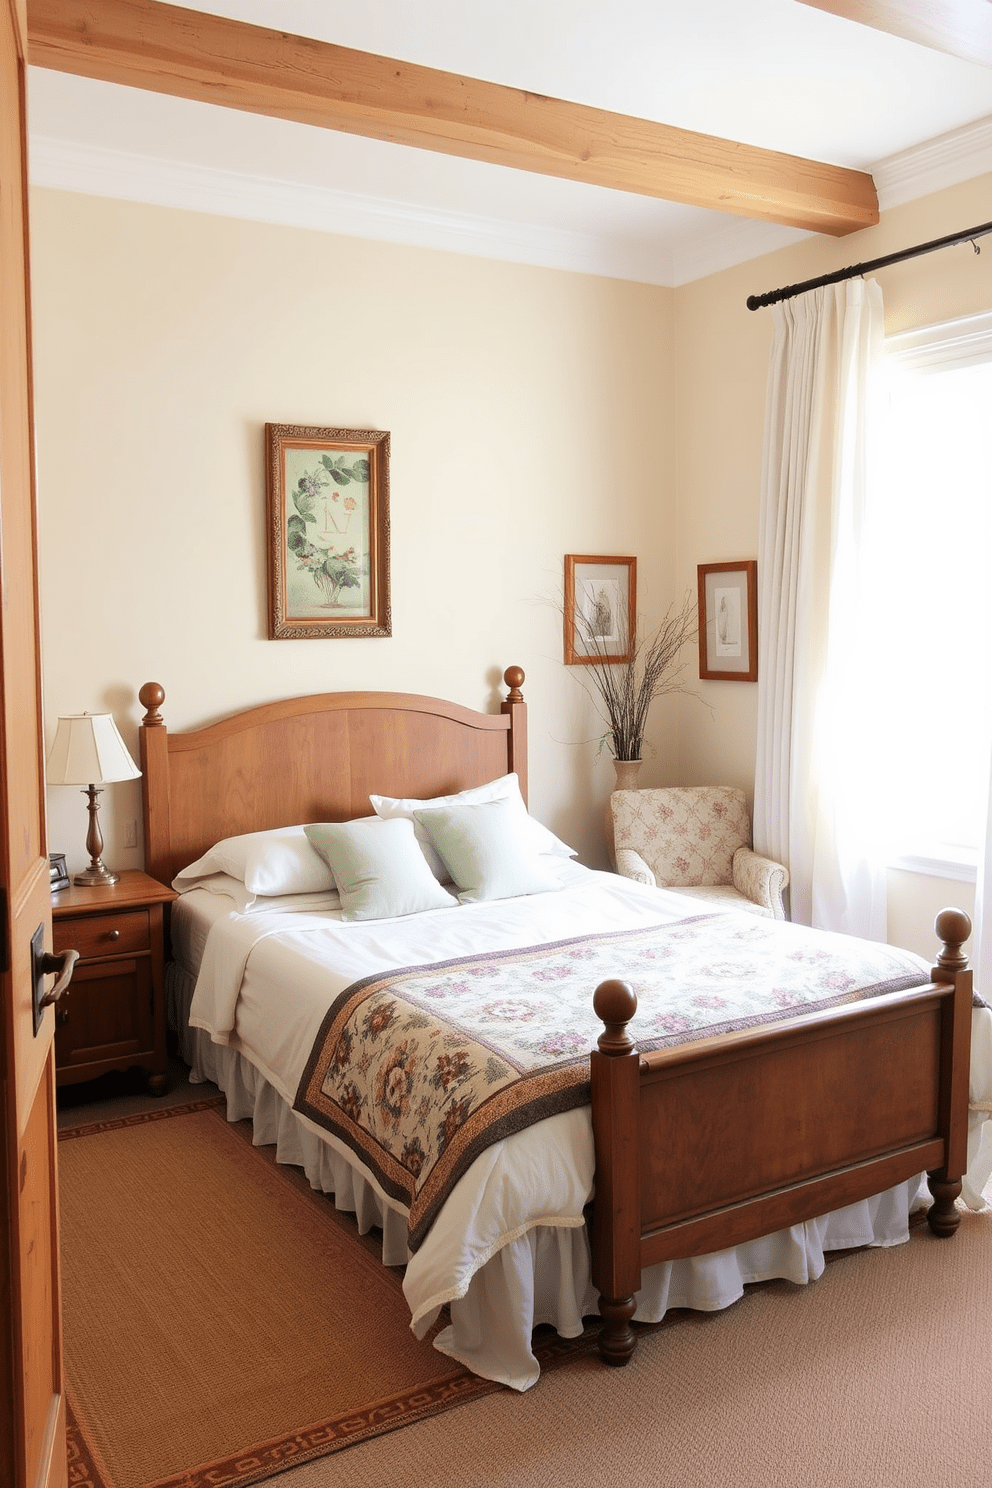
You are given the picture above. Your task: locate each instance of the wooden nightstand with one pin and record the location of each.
(113, 1015)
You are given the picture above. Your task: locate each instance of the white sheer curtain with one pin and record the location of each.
(812, 796)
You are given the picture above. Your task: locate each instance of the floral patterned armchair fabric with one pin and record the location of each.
(696, 840)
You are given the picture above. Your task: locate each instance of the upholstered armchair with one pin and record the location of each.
(696, 839)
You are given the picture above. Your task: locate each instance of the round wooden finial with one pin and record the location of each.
(514, 679)
(615, 1003)
(953, 928)
(152, 696)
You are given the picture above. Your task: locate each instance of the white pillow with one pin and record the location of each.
(507, 787)
(488, 850)
(247, 903)
(280, 861)
(379, 869)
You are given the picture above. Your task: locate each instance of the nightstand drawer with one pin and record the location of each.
(118, 934)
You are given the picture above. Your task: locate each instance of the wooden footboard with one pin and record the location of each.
(710, 1144)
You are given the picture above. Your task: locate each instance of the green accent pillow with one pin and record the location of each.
(486, 850)
(378, 867)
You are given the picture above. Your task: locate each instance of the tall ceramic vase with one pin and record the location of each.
(627, 775)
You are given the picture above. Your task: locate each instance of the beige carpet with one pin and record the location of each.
(877, 1376)
(221, 1321)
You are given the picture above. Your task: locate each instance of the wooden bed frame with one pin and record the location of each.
(313, 759)
(699, 1147)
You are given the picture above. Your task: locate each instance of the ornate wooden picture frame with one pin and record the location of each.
(600, 609)
(327, 510)
(728, 621)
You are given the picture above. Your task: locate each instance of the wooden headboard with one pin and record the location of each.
(313, 759)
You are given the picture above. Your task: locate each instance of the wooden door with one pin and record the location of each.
(32, 1405)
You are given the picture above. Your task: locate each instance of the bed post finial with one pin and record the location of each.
(514, 679)
(953, 928)
(615, 1003)
(152, 696)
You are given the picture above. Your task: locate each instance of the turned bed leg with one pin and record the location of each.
(953, 928)
(943, 1216)
(616, 1215)
(617, 1339)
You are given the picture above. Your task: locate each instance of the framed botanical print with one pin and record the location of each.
(728, 621)
(327, 505)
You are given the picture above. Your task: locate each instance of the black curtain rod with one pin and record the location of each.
(756, 302)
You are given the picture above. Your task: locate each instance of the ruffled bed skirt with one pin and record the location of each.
(543, 1275)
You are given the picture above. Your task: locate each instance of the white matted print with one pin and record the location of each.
(727, 640)
(598, 606)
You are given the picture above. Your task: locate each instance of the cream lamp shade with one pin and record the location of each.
(89, 751)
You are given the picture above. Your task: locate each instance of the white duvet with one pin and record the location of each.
(509, 1249)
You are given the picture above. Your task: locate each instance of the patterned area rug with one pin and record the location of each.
(223, 1322)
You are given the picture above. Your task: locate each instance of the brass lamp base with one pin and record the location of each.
(96, 875)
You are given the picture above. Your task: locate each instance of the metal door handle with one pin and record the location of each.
(45, 963)
(61, 963)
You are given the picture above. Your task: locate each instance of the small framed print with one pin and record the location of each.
(600, 609)
(728, 621)
(328, 532)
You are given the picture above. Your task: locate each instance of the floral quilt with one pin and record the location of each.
(420, 1070)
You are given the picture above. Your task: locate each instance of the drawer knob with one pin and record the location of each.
(113, 935)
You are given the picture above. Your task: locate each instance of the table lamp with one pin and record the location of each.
(88, 750)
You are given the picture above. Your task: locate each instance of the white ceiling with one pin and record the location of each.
(773, 73)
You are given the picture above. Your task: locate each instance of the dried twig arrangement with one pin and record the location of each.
(628, 688)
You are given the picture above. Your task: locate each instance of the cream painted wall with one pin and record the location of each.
(721, 358)
(531, 414)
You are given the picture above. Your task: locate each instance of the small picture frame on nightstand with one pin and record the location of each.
(57, 872)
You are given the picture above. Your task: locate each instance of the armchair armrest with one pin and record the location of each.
(761, 880)
(631, 865)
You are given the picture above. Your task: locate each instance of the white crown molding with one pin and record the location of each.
(947, 160)
(70, 166)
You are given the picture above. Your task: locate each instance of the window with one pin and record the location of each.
(928, 569)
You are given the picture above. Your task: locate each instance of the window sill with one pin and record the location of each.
(961, 865)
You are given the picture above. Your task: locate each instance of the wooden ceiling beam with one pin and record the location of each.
(186, 53)
(961, 27)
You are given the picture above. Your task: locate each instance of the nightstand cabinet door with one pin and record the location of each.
(107, 1017)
